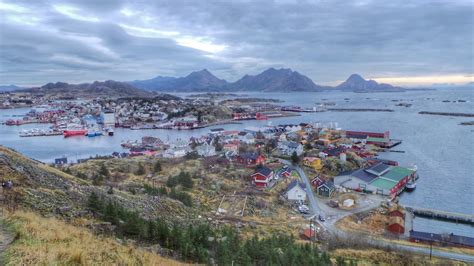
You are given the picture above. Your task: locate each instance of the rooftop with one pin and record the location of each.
(383, 183)
(397, 173)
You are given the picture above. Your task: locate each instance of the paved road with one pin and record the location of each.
(330, 226)
(315, 209)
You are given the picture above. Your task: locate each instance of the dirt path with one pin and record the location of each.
(6, 238)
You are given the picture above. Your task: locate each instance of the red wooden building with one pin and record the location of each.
(250, 158)
(396, 225)
(262, 176)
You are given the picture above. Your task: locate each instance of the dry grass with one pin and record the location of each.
(48, 241)
(374, 224)
(380, 257)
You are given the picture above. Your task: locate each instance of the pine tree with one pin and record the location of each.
(140, 170)
(94, 203)
(157, 167)
(104, 171)
(295, 158)
(111, 213)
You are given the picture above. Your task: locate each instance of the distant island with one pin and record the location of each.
(270, 80)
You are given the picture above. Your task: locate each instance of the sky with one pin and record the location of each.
(409, 43)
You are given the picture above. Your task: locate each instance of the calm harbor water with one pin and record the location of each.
(438, 145)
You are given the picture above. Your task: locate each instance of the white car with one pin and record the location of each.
(303, 209)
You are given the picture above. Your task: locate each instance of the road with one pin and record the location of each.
(330, 226)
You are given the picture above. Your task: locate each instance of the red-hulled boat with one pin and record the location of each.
(74, 132)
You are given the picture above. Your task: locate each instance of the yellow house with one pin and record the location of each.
(313, 162)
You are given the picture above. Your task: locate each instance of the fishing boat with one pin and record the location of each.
(74, 130)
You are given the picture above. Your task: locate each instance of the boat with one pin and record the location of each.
(110, 132)
(74, 132)
(410, 186)
(93, 132)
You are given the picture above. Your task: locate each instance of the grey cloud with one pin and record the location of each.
(327, 40)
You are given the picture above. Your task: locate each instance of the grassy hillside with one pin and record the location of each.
(47, 190)
(49, 241)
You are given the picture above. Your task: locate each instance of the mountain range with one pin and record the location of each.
(358, 84)
(109, 88)
(4, 88)
(270, 80)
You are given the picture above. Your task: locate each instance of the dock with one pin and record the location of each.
(441, 215)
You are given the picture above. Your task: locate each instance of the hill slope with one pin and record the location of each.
(49, 241)
(47, 190)
(109, 88)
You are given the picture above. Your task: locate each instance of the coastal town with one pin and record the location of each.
(315, 180)
(236, 133)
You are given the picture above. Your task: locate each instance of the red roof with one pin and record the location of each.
(309, 233)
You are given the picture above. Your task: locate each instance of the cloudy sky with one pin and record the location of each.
(399, 41)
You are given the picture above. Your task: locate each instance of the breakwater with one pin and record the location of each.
(446, 114)
(359, 110)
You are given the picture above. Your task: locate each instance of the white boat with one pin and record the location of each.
(410, 186)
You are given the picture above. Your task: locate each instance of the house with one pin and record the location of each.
(313, 162)
(250, 158)
(396, 225)
(179, 143)
(262, 176)
(206, 150)
(318, 181)
(176, 152)
(326, 189)
(285, 172)
(308, 234)
(335, 152)
(396, 211)
(296, 191)
(60, 161)
(246, 137)
(231, 147)
(288, 147)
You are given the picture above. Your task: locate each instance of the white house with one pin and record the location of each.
(288, 147)
(206, 150)
(176, 152)
(296, 191)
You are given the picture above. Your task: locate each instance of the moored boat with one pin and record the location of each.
(74, 132)
(410, 186)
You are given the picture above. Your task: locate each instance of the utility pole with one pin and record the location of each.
(431, 246)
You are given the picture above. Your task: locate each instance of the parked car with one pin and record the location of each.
(321, 218)
(303, 209)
